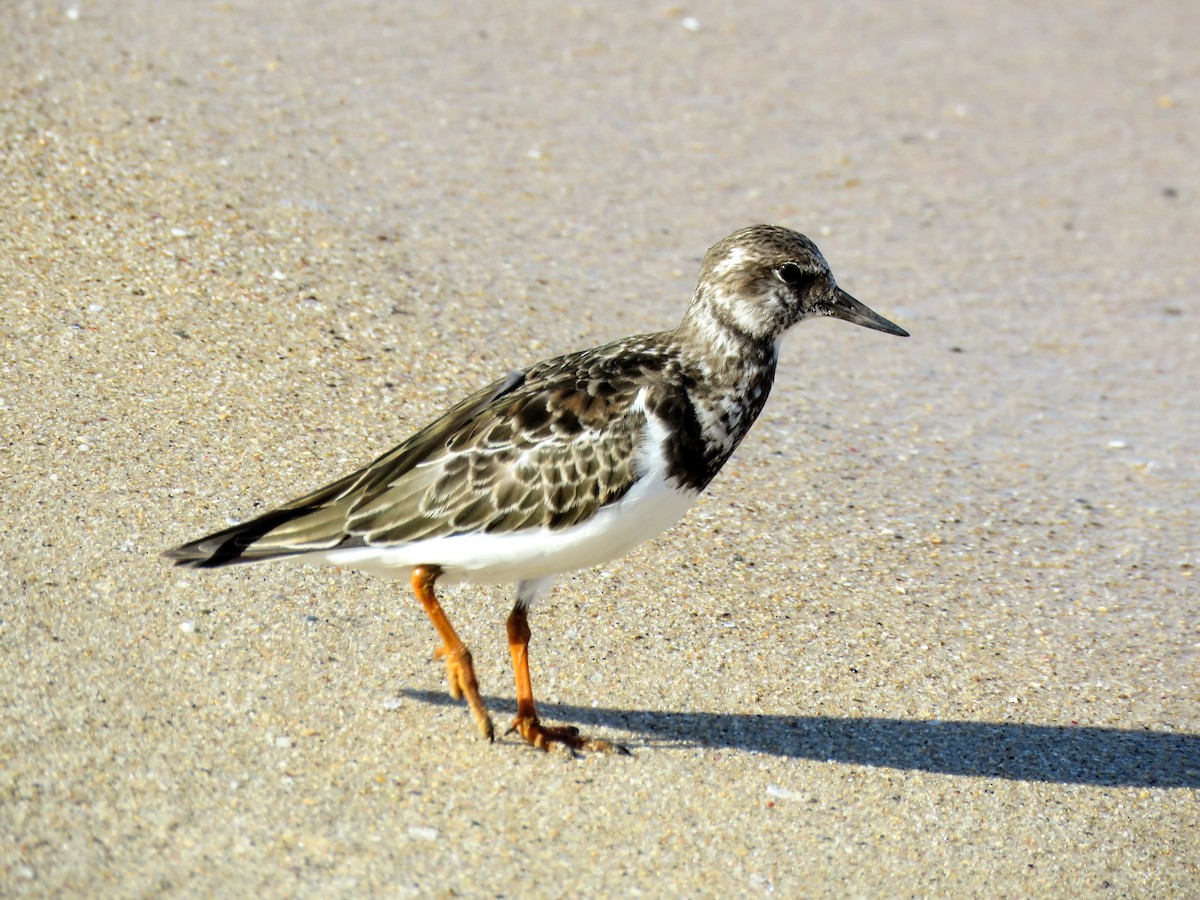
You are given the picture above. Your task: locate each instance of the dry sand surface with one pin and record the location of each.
(933, 631)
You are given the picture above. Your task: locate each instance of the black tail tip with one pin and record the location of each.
(186, 557)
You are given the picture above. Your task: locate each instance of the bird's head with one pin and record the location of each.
(760, 281)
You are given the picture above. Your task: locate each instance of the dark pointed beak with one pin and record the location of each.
(843, 306)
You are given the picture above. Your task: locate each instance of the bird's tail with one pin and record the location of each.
(311, 523)
(239, 544)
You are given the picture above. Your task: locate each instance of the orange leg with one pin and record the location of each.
(526, 723)
(460, 671)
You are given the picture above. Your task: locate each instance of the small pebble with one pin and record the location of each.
(780, 793)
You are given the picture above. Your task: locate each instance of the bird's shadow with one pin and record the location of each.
(1108, 757)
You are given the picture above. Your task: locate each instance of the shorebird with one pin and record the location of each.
(563, 465)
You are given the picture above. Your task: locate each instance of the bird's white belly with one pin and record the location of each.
(649, 508)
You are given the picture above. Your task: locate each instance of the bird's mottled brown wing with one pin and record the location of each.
(549, 454)
(546, 447)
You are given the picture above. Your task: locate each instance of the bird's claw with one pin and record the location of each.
(564, 737)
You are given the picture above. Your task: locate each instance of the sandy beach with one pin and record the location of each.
(934, 631)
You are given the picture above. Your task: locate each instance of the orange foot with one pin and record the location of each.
(460, 675)
(566, 736)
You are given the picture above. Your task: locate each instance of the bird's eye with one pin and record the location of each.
(794, 276)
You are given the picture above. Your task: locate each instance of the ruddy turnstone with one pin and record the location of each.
(566, 464)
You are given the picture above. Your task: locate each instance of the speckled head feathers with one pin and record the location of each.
(762, 280)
